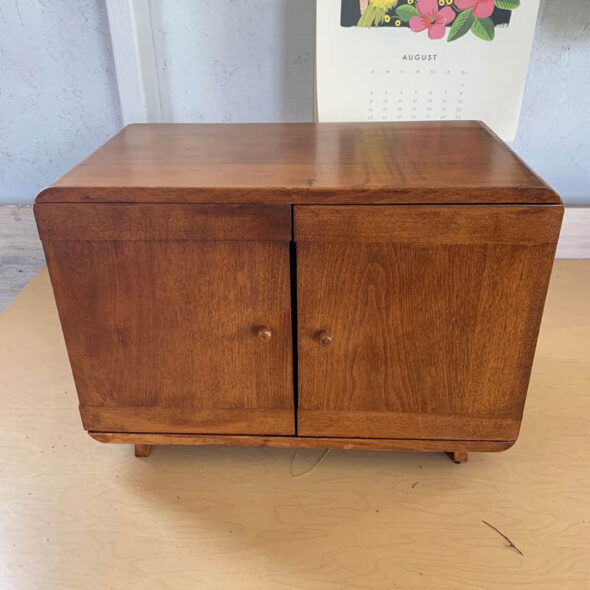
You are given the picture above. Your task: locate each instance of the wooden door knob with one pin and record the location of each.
(325, 337)
(264, 333)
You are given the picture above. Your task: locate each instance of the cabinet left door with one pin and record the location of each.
(176, 317)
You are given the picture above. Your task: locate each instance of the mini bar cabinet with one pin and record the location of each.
(358, 286)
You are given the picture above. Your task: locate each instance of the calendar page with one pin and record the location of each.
(405, 60)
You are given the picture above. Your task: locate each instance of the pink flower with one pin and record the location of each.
(481, 8)
(432, 18)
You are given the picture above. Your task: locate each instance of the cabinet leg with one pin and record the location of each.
(458, 456)
(143, 450)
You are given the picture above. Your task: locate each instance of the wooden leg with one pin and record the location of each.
(458, 456)
(143, 450)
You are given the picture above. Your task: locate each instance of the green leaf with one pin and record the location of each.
(406, 11)
(507, 4)
(461, 25)
(483, 28)
(372, 17)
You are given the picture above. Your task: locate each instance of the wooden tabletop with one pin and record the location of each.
(303, 163)
(78, 514)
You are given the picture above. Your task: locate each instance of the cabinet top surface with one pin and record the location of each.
(303, 163)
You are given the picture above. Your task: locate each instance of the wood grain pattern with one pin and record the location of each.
(496, 224)
(189, 420)
(170, 258)
(303, 442)
(168, 328)
(82, 222)
(443, 332)
(304, 163)
(428, 424)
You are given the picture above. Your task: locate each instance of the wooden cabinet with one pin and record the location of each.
(177, 318)
(432, 314)
(302, 285)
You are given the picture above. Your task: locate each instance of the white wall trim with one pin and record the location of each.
(132, 37)
(574, 240)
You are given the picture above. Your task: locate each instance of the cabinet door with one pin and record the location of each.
(177, 318)
(419, 321)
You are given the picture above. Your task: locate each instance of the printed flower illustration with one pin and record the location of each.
(374, 12)
(432, 18)
(481, 18)
(481, 8)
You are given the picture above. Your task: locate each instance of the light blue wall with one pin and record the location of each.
(58, 93)
(238, 60)
(235, 61)
(554, 130)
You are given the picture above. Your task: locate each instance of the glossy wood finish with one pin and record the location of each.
(421, 254)
(424, 224)
(264, 333)
(162, 334)
(303, 442)
(139, 222)
(430, 340)
(304, 163)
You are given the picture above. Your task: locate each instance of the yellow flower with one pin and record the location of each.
(441, 2)
(385, 4)
(449, 2)
(397, 23)
(387, 18)
(410, 1)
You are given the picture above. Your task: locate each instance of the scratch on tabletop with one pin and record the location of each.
(510, 543)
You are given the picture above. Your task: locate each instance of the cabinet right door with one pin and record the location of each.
(419, 322)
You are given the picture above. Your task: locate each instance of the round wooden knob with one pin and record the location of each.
(264, 333)
(325, 338)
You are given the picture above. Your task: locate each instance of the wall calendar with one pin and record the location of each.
(406, 60)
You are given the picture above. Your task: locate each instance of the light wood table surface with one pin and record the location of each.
(78, 514)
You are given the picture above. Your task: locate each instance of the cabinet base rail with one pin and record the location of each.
(456, 449)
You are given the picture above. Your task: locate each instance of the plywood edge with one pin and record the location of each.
(365, 444)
